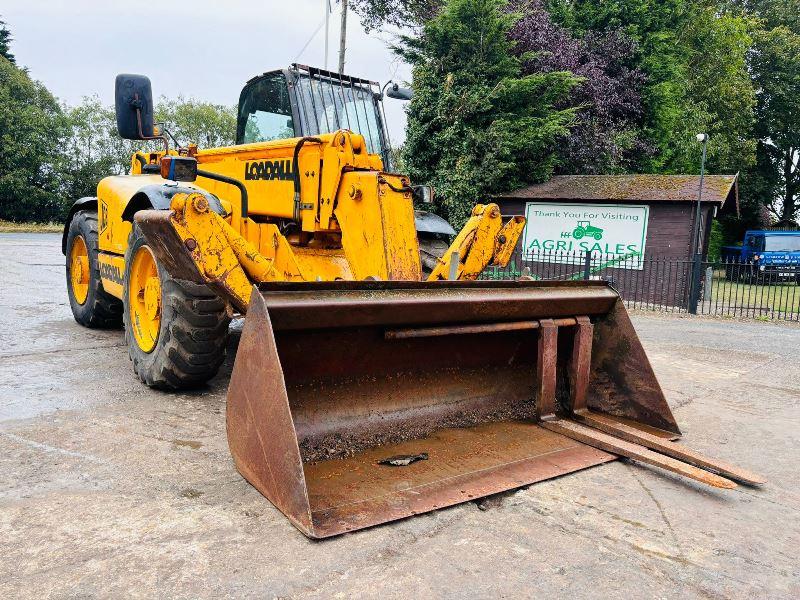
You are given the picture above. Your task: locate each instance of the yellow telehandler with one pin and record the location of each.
(375, 377)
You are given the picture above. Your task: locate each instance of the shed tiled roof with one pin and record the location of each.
(646, 188)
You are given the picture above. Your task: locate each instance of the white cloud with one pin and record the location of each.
(198, 48)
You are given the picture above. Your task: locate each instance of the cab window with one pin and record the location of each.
(783, 243)
(265, 111)
(327, 105)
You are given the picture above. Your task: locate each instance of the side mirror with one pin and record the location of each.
(399, 93)
(422, 193)
(133, 101)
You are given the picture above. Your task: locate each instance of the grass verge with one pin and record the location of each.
(781, 297)
(11, 227)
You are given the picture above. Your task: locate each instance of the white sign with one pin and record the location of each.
(614, 233)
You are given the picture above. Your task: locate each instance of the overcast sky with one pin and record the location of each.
(199, 48)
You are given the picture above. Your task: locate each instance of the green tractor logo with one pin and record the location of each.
(586, 229)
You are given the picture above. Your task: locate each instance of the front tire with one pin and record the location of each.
(91, 305)
(176, 330)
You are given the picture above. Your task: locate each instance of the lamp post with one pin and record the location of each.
(342, 37)
(694, 290)
(703, 139)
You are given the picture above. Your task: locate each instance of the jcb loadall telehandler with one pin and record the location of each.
(366, 386)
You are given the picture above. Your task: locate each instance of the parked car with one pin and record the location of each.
(764, 257)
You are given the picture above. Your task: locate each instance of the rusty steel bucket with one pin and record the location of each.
(331, 379)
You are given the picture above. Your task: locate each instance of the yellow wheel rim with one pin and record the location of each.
(79, 269)
(144, 299)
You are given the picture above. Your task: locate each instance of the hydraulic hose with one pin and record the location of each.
(230, 181)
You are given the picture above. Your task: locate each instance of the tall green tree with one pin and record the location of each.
(32, 128)
(773, 64)
(476, 126)
(694, 57)
(721, 89)
(398, 13)
(606, 138)
(776, 69)
(5, 43)
(92, 149)
(771, 13)
(206, 124)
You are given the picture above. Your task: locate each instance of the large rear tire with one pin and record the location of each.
(431, 249)
(91, 305)
(176, 330)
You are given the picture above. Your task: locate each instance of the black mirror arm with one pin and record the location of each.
(136, 104)
(172, 137)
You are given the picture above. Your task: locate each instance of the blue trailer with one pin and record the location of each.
(764, 257)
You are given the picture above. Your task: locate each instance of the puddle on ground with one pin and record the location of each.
(191, 493)
(188, 444)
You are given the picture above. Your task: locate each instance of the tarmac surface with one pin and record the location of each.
(109, 489)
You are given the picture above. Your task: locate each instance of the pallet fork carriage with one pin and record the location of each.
(370, 384)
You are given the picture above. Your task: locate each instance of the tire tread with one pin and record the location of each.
(193, 337)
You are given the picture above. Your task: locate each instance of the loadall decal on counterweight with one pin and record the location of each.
(111, 272)
(269, 170)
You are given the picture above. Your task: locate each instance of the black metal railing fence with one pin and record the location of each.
(660, 283)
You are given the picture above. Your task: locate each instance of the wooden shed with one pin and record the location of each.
(634, 230)
(670, 202)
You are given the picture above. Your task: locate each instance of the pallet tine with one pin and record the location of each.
(631, 434)
(612, 436)
(608, 443)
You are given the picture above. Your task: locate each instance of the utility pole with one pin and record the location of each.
(694, 288)
(327, 15)
(342, 36)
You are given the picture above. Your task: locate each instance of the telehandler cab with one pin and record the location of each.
(366, 336)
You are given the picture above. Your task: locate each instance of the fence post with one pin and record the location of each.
(694, 289)
(454, 261)
(708, 283)
(587, 265)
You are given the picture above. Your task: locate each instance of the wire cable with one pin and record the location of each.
(310, 39)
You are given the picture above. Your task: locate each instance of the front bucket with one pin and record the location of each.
(331, 379)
